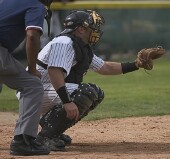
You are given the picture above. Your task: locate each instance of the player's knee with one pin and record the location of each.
(95, 101)
(84, 97)
(100, 98)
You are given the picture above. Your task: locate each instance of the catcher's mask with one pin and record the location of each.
(88, 19)
(48, 15)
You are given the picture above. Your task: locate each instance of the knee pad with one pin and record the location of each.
(96, 102)
(55, 122)
(84, 97)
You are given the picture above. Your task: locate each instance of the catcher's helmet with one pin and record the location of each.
(87, 18)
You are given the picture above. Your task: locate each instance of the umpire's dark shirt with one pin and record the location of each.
(16, 16)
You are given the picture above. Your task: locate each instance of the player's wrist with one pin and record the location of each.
(64, 95)
(129, 67)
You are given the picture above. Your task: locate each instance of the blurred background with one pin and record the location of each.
(129, 25)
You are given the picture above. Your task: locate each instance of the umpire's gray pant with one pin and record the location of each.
(14, 75)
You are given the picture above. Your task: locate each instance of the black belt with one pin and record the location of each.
(43, 65)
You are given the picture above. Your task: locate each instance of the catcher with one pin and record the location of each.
(64, 61)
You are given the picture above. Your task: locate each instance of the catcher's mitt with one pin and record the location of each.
(146, 56)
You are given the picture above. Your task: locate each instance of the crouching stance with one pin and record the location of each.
(63, 62)
(55, 121)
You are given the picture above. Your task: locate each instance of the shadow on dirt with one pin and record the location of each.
(121, 148)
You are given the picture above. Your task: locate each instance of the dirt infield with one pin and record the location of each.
(127, 138)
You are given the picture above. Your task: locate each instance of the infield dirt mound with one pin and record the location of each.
(126, 138)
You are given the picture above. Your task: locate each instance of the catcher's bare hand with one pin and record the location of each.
(145, 57)
(72, 111)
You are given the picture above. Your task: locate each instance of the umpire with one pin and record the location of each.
(21, 19)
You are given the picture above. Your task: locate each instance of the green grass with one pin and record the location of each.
(8, 100)
(132, 94)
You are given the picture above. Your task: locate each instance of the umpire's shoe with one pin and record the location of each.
(24, 145)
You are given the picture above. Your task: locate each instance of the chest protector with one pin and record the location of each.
(84, 56)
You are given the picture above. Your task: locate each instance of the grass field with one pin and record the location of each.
(132, 94)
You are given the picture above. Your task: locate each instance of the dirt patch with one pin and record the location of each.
(127, 138)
